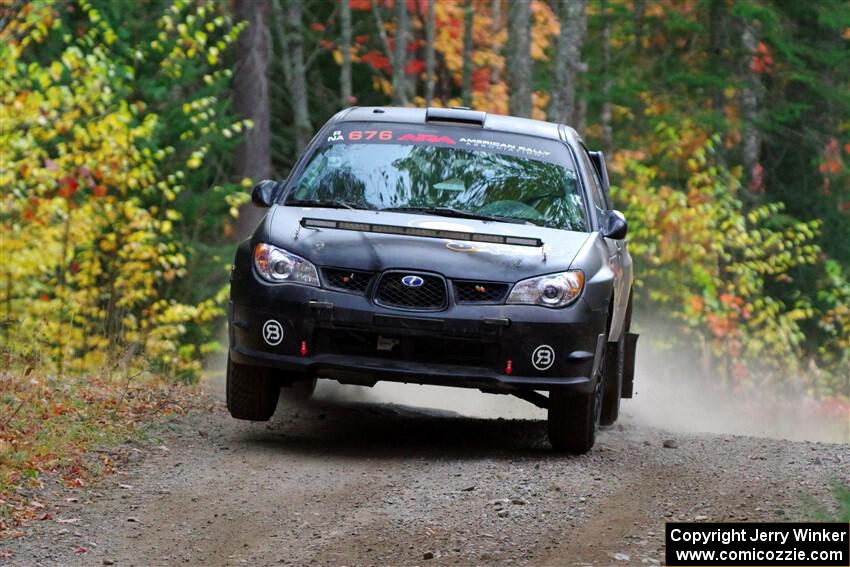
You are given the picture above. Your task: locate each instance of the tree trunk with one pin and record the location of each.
(397, 57)
(717, 39)
(430, 54)
(466, 90)
(400, 59)
(345, 71)
(716, 24)
(607, 130)
(640, 12)
(496, 13)
(751, 94)
(562, 106)
(251, 100)
(298, 82)
(520, 64)
(639, 22)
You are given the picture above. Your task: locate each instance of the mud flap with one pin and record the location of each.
(629, 365)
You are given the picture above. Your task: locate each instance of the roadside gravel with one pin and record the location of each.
(359, 483)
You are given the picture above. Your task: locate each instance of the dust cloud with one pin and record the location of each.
(673, 392)
(676, 391)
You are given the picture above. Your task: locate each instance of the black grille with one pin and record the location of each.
(445, 350)
(480, 292)
(429, 295)
(347, 280)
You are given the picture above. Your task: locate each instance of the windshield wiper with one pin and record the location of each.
(329, 203)
(457, 213)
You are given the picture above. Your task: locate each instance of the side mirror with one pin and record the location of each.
(263, 193)
(616, 227)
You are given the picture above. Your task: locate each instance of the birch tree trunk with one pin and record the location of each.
(251, 100)
(607, 130)
(430, 54)
(400, 59)
(298, 81)
(751, 94)
(345, 72)
(496, 13)
(466, 90)
(520, 63)
(568, 64)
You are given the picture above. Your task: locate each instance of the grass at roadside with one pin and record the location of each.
(54, 430)
(836, 511)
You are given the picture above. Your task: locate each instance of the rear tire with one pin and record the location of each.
(252, 392)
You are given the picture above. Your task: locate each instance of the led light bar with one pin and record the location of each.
(423, 232)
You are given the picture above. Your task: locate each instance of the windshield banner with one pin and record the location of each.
(454, 137)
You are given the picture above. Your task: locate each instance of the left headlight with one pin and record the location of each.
(279, 266)
(553, 290)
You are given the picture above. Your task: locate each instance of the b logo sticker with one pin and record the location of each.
(543, 357)
(272, 332)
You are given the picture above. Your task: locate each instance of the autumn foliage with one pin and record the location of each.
(726, 126)
(93, 249)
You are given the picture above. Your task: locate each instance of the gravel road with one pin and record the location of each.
(363, 483)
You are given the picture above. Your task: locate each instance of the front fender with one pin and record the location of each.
(593, 260)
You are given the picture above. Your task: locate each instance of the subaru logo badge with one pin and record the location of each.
(412, 281)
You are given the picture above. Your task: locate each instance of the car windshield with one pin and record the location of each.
(430, 174)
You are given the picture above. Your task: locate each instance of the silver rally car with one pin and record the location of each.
(438, 246)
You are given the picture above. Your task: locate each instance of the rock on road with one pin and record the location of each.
(360, 483)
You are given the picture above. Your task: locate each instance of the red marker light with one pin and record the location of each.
(509, 366)
(303, 348)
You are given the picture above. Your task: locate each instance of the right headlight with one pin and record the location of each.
(553, 290)
(279, 266)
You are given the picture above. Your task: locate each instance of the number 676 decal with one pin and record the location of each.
(356, 135)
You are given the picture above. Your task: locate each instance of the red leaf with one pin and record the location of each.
(68, 186)
(377, 60)
(317, 27)
(414, 67)
(481, 79)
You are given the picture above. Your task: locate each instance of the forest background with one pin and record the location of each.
(131, 132)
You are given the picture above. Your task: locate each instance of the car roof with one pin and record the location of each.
(457, 115)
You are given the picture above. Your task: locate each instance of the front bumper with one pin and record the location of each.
(346, 337)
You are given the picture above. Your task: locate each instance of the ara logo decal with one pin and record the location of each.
(412, 281)
(272, 332)
(426, 138)
(337, 136)
(543, 357)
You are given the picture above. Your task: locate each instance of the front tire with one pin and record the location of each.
(252, 392)
(574, 419)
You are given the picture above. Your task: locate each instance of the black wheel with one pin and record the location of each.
(574, 418)
(612, 382)
(299, 391)
(252, 392)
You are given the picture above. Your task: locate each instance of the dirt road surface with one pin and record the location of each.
(345, 483)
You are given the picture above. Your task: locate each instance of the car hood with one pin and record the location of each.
(371, 251)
